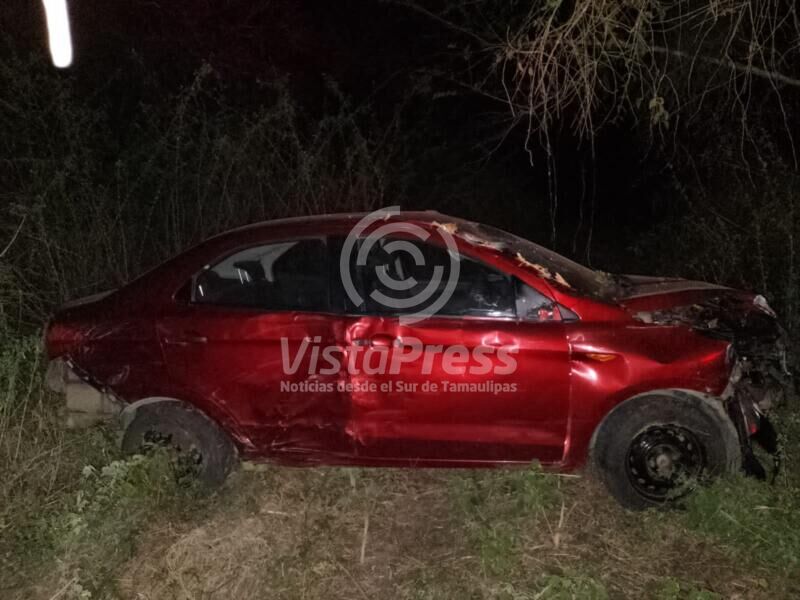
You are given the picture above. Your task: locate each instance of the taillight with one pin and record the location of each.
(60, 338)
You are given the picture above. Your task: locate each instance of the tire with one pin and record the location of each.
(651, 450)
(187, 431)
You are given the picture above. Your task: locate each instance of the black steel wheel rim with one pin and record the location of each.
(187, 459)
(664, 462)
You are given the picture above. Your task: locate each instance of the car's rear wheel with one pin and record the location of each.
(654, 449)
(200, 448)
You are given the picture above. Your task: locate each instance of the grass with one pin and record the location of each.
(75, 535)
(71, 507)
(77, 521)
(753, 519)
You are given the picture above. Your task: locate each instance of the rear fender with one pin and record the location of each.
(129, 412)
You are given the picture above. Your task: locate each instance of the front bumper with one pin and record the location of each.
(754, 388)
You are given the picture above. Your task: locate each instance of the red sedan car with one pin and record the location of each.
(417, 339)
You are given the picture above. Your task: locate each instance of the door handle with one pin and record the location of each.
(382, 340)
(187, 338)
(495, 344)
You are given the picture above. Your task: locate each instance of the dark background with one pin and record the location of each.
(626, 200)
(139, 51)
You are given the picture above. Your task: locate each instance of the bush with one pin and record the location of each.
(67, 497)
(754, 519)
(97, 534)
(88, 207)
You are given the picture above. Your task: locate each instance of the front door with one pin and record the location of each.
(484, 379)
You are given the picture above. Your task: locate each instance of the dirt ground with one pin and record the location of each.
(350, 533)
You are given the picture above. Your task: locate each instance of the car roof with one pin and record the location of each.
(329, 221)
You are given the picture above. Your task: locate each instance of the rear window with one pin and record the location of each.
(290, 275)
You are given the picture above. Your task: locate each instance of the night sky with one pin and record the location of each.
(138, 51)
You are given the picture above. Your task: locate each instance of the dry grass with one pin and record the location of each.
(343, 533)
(126, 531)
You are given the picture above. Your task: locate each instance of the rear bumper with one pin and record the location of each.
(85, 404)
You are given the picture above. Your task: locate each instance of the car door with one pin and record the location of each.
(244, 344)
(484, 379)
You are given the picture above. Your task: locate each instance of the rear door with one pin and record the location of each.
(245, 345)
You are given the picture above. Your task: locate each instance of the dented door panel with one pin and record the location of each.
(460, 389)
(258, 369)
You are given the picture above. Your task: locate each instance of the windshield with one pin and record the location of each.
(550, 265)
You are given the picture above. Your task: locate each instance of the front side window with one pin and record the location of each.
(291, 275)
(532, 305)
(411, 275)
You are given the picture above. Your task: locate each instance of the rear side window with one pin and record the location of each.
(291, 275)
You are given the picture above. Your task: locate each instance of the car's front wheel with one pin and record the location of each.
(200, 447)
(654, 449)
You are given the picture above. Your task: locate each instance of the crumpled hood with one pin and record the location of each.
(714, 309)
(641, 286)
(651, 294)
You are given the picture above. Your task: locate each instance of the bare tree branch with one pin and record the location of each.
(589, 61)
(730, 63)
(13, 238)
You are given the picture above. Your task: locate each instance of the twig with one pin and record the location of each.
(442, 21)
(557, 534)
(359, 587)
(14, 237)
(364, 539)
(731, 64)
(64, 589)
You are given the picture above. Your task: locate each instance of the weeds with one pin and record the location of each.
(75, 517)
(86, 214)
(89, 527)
(97, 534)
(750, 518)
(496, 507)
(67, 498)
(674, 589)
(561, 587)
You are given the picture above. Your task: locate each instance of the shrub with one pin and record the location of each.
(86, 208)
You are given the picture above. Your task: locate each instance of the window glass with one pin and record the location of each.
(290, 275)
(533, 306)
(584, 280)
(414, 275)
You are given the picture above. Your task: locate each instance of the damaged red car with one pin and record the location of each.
(418, 339)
